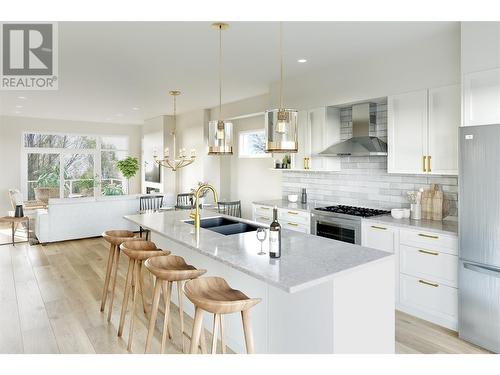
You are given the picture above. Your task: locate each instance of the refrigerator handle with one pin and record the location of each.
(483, 269)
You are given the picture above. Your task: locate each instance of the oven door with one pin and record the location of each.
(344, 230)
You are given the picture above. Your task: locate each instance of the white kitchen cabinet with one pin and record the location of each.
(383, 237)
(444, 121)
(407, 132)
(423, 131)
(318, 129)
(426, 269)
(481, 97)
(296, 220)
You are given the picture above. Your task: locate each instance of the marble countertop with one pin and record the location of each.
(442, 227)
(283, 203)
(306, 260)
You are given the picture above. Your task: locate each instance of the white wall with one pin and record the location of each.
(480, 46)
(11, 129)
(251, 179)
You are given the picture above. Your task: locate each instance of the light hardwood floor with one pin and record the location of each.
(50, 296)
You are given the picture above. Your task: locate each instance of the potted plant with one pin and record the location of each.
(128, 168)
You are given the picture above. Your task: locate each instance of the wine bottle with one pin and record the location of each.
(275, 236)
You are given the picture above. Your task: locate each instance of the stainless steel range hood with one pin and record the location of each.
(361, 144)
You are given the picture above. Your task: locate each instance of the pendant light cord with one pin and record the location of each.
(281, 65)
(220, 72)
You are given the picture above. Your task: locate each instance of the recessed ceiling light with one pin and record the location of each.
(21, 97)
(17, 112)
(135, 108)
(302, 60)
(19, 106)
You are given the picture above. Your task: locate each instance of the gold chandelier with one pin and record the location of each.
(178, 161)
(220, 132)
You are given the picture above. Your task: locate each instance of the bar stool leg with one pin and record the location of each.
(154, 313)
(167, 292)
(197, 329)
(141, 286)
(247, 329)
(105, 289)
(134, 302)
(126, 293)
(214, 333)
(115, 274)
(223, 346)
(181, 313)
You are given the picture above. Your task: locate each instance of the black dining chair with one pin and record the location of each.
(185, 201)
(149, 203)
(230, 208)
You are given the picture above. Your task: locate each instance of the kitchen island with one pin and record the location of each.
(321, 296)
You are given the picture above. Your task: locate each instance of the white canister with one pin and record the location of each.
(416, 211)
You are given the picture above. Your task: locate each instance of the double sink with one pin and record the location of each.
(224, 225)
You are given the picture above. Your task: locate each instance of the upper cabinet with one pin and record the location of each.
(318, 129)
(423, 131)
(407, 132)
(482, 98)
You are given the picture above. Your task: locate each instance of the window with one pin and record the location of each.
(72, 166)
(252, 144)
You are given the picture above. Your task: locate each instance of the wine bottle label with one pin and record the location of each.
(274, 245)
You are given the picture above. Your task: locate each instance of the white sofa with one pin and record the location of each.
(73, 218)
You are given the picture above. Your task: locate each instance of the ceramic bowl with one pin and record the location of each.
(293, 198)
(397, 213)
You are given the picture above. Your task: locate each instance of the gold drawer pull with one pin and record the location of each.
(377, 227)
(427, 252)
(293, 224)
(428, 236)
(293, 213)
(265, 208)
(428, 283)
(264, 218)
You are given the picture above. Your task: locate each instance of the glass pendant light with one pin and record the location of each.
(220, 132)
(281, 123)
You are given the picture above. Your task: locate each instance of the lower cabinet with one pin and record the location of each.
(426, 270)
(296, 220)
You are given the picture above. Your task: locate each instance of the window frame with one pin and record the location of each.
(96, 152)
(241, 135)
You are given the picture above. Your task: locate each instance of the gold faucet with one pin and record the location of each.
(196, 214)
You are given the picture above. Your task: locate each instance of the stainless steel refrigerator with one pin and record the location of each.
(479, 233)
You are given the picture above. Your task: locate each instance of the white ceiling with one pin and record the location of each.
(106, 69)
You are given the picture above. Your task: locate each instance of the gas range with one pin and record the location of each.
(342, 223)
(352, 211)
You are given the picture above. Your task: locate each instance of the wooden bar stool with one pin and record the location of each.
(137, 251)
(213, 294)
(167, 270)
(115, 238)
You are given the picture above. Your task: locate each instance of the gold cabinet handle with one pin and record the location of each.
(264, 218)
(429, 163)
(264, 208)
(293, 213)
(428, 236)
(427, 252)
(293, 224)
(423, 163)
(377, 227)
(428, 283)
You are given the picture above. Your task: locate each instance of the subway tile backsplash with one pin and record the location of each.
(364, 181)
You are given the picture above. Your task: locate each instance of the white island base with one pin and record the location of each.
(353, 312)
